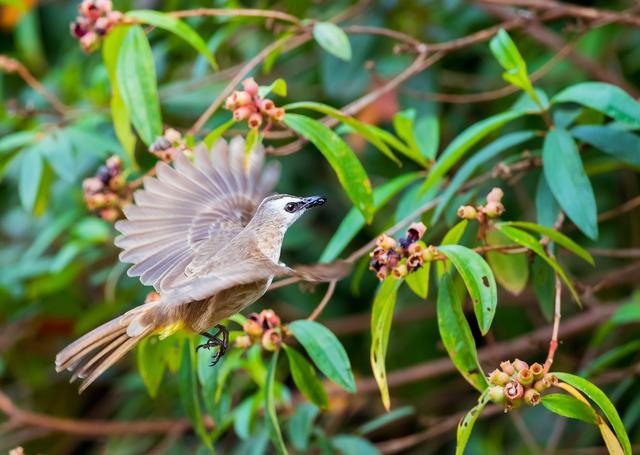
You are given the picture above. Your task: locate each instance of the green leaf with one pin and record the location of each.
(418, 281)
(456, 335)
(547, 208)
(381, 318)
(347, 444)
(528, 241)
(478, 278)
(606, 98)
(465, 426)
(618, 142)
(386, 419)
(452, 237)
(121, 121)
(211, 138)
(332, 39)
(270, 416)
(9, 145)
(354, 221)
(188, 388)
(603, 403)
(279, 87)
(627, 314)
(463, 142)
(556, 236)
(544, 286)
(484, 155)
(342, 159)
(610, 357)
(305, 378)
(568, 406)
(511, 270)
(326, 352)
(403, 123)
(300, 424)
(507, 54)
(176, 26)
(150, 360)
(369, 132)
(35, 181)
(568, 182)
(427, 133)
(136, 76)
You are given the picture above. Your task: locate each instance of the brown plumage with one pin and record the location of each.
(205, 237)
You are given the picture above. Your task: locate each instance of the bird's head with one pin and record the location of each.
(283, 209)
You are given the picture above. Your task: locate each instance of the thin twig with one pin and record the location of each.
(323, 303)
(238, 12)
(553, 344)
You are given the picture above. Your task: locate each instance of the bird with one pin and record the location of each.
(207, 235)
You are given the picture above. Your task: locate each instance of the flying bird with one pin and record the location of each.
(207, 237)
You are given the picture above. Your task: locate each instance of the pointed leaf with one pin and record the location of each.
(342, 159)
(151, 364)
(465, 426)
(568, 182)
(479, 279)
(136, 75)
(511, 270)
(418, 281)
(304, 376)
(270, 416)
(326, 351)
(452, 237)
(188, 388)
(300, 424)
(456, 335)
(618, 142)
(381, 318)
(332, 39)
(568, 406)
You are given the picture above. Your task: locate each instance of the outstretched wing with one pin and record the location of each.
(185, 206)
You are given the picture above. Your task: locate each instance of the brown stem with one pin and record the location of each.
(323, 303)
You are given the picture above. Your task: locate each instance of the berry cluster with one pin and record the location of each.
(265, 329)
(492, 209)
(516, 383)
(107, 192)
(166, 146)
(96, 19)
(248, 105)
(402, 257)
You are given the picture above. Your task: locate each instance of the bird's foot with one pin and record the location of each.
(220, 339)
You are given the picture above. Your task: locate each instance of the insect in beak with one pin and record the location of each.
(313, 201)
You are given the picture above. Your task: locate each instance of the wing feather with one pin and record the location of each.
(208, 201)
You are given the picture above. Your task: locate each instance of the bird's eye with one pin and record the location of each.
(290, 207)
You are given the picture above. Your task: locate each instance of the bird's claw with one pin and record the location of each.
(220, 340)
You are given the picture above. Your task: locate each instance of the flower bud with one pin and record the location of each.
(104, 5)
(173, 135)
(520, 364)
(467, 212)
(110, 214)
(266, 106)
(525, 377)
(241, 98)
(271, 340)
(270, 319)
(96, 201)
(392, 258)
(229, 103)
(255, 120)
(552, 379)
(513, 390)
(89, 9)
(92, 185)
(537, 371)
(242, 113)
(88, 41)
(252, 327)
(507, 367)
(415, 248)
(385, 242)
(243, 341)
(498, 377)
(429, 253)
(115, 17)
(496, 394)
(160, 144)
(493, 209)
(375, 265)
(114, 162)
(78, 29)
(399, 271)
(377, 251)
(532, 397)
(117, 183)
(277, 114)
(415, 232)
(495, 195)
(541, 385)
(414, 262)
(250, 86)
(102, 26)
(382, 273)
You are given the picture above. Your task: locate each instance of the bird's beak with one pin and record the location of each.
(314, 201)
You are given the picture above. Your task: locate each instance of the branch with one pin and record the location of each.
(238, 12)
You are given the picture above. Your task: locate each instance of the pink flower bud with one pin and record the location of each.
(415, 248)
(255, 120)
(495, 195)
(115, 17)
(467, 212)
(242, 113)
(399, 271)
(243, 342)
(415, 232)
(78, 29)
(250, 86)
(266, 106)
(493, 209)
(102, 25)
(92, 185)
(271, 340)
(172, 135)
(270, 318)
(110, 214)
(385, 242)
(104, 5)
(498, 377)
(252, 328)
(277, 114)
(229, 103)
(507, 367)
(89, 9)
(88, 41)
(114, 162)
(241, 98)
(382, 273)
(532, 397)
(520, 365)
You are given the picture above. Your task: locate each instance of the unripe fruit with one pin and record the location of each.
(537, 370)
(525, 377)
(266, 106)
(255, 120)
(271, 340)
(270, 319)
(467, 212)
(532, 397)
(241, 98)
(241, 113)
(541, 385)
(498, 377)
(385, 242)
(507, 367)
(493, 209)
(399, 271)
(415, 248)
(496, 394)
(520, 364)
(252, 328)
(243, 341)
(277, 114)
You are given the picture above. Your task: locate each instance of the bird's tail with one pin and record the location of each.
(112, 340)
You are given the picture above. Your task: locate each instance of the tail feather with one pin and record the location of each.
(109, 343)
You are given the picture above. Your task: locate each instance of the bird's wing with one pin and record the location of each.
(185, 206)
